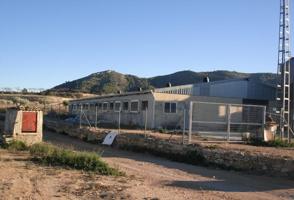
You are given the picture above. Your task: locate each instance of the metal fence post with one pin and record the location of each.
(190, 122)
(119, 121)
(96, 112)
(229, 122)
(281, 125)
(145, 128)
(184, 126)
(81, 111)
(263, 120)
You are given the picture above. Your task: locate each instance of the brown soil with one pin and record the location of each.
(156, 178)
(22, 179)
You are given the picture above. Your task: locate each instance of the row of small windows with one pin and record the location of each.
(133, 106)
(117, 106)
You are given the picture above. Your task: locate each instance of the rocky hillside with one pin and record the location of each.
(110, 81)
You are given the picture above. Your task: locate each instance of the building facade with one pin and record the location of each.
(135, 109)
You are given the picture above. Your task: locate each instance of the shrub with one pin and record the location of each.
(280, 143)
(15, 145)
(51, 155)
(162, 130)
(21, 101)
(275, 143)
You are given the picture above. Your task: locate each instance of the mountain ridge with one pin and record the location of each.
(109, 81)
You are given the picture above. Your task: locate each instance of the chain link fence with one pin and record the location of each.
(226, 121)
(221, 121)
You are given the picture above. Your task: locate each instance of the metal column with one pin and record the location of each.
(283, 72)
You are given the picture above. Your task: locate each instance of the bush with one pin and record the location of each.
(162, 130)
(280, 143)
(21, 101)
(15, 145)
(51, 155)
(275, 143)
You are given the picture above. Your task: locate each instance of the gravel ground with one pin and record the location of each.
(151, 177)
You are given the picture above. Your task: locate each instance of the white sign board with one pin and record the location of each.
(108, 140)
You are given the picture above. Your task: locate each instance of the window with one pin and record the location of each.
(126, 106)
(173, 107)
(85, 106)
(99, 106)
(111, 106)
(117, 106)
(105, 106)
(92, 106)
(170, 107)
(144, 105)
(74, 107)
(134, 106)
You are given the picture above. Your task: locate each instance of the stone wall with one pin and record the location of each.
(240, 160)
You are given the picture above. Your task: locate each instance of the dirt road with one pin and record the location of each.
(153, 177)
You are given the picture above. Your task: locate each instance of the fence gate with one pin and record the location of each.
(225, 121)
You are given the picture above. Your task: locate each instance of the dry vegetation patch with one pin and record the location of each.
(51, 155)
(22, 179)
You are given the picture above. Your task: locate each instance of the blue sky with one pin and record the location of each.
(47, 42)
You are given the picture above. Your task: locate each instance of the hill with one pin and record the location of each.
(104, 83)
(111, 82)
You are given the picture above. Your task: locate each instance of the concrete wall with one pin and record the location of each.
(13, 127)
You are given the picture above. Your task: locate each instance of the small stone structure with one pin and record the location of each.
(24, 125)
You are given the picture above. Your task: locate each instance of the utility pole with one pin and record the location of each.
(284, 71)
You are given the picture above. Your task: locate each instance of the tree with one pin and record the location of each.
(24, 91)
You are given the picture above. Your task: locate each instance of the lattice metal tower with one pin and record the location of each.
(284, 76)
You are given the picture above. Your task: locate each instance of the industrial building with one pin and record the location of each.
(169, 107)
(247, 89)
